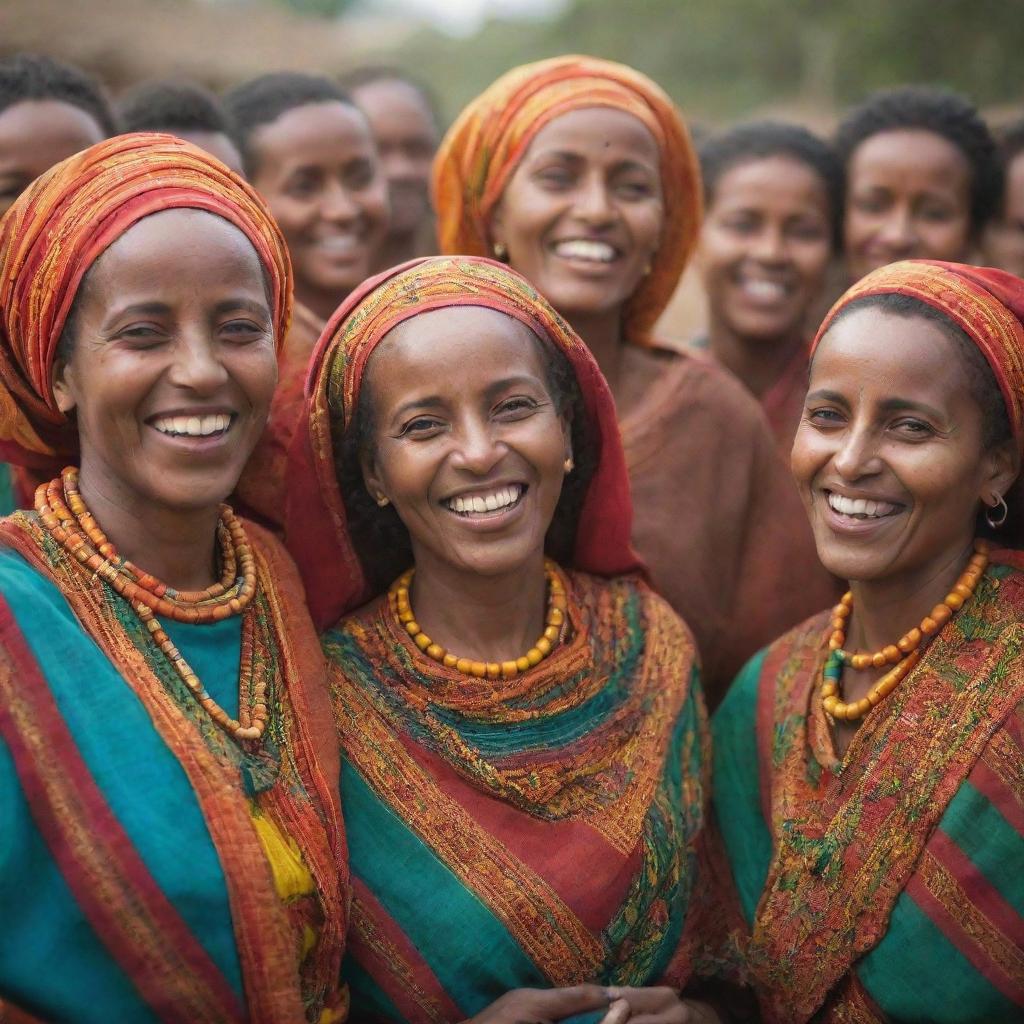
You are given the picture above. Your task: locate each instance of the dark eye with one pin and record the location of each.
(554, 178)
(825, 417)
(744, 225)
(243, 330)
(936, 213)
(870, 204)
(634, 189)
(302, 186)
(421, 426)
(807, 231)
(360, 174)
(914, 428)
(141, 335)
(516, 408)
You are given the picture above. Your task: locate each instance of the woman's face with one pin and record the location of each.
(173, 363)
(889, 457)
(582, 213)
(467, 442)
(35, 135)
(316, 165)
(1003, 240)
(908, 196)
(765, 247)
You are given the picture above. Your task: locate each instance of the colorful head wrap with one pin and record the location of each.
(57, 229)
(987, 304)
(316, 525)
(484, 146)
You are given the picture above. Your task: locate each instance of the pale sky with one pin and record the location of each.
(461, 17)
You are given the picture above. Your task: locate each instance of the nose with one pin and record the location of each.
(593, 202)
(477, 451)
(770, 245)
(338, 204)
(857, 455)
(197, 365)
(897, 231)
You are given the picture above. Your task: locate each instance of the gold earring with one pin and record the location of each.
(500, 251)
(995, 518)
(383, 500)
(569, 464)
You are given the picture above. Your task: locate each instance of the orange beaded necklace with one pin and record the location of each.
(398, 597)
(64, 515)
(904, 654)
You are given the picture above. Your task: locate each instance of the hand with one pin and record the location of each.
(662, 1005)
(550, 1005)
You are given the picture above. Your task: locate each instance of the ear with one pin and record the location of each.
(372, 478)
(566, 421)
(61, 378)
(1000, 468)
(496, 228)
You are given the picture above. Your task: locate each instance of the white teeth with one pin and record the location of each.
(862, 507)
(764, 289)
(499, 499)
(586, 249)
(193, 426)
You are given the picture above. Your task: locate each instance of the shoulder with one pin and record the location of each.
(610, 592)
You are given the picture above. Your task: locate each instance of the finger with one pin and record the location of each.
(618, 1013)
(646, 1000)
(556, 1003)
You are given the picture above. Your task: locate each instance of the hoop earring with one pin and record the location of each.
(500, 251)
(991, 519)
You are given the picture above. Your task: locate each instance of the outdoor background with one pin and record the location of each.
(721, 60)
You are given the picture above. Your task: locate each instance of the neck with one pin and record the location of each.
(484, 618)
(883, 610)
(178, 547)
(602, 334)
(757, 362)
(323, 304)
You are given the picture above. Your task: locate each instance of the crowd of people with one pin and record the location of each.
(395, 626)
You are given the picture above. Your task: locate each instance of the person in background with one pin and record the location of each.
(773, 199)
(405, 123)
(48, 111)
(172, 843)
(1003, 241)
(869, 763)
(184, 109)
(580, 174)
(514, 700)
(922, 178)
(309, 151)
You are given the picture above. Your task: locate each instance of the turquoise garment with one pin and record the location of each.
(8, 504)
(145, 787)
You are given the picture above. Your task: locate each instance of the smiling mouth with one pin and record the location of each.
(586, 250)
(762, 290)
(492, 503)
(210, 425)
(861, 508)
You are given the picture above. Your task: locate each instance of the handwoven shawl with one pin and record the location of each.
(316, 529)
(135, 851)
(884, 885)
(490, 137)
(55, 231)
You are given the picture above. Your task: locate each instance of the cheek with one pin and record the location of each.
(811, 261)
(254, 369)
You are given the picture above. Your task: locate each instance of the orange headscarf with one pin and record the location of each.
(316, 528)
(987, 304)
(57, 229)
(489, 138)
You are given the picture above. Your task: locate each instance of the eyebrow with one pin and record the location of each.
(565, 154)
(889, 405)
(161, 308)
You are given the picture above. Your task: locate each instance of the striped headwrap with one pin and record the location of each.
(57, 229)
(316, 526)
(491, 136)
(987, 304)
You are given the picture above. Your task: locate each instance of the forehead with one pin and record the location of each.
(169, 247)
(35, 125)
(391, 97)
(908, 156)
(597, 133)
(460, 349)
(759, 181)
(872, 353)
(315, 132)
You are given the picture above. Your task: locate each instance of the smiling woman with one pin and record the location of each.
(579, 172)
(171, 830)
(868, 764)
(512, 697)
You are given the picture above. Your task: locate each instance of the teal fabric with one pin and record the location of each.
(7, 500)
(51, 962)
(735, 790)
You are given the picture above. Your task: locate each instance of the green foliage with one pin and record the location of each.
(722, 59)
(320, 8)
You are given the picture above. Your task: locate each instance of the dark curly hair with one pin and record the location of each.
(945, 113)
(263, 100)
(759, 140)
(174, 106)
(381, 537)
(31, 76)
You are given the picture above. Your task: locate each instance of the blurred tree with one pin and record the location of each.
(321, 8)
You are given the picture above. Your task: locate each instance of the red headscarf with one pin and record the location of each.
(490, 137)
(316, 525)
(54, 233)
(987, 304)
